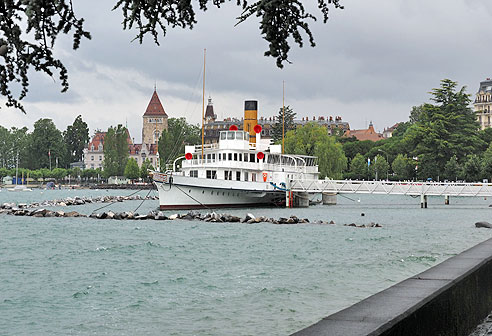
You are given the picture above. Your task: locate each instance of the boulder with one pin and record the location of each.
(110, 215)
(282, 220)
(160, 216)
(141, 217)
(248, 217)
(483, 225)
(39, 212)
(60, 213)
(173, 217)
(50, 214)
(73, 214)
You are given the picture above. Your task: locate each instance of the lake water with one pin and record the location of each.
(82, 276)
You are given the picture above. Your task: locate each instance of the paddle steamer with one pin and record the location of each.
(241, 170)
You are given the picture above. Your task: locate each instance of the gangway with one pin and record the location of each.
(422, 189)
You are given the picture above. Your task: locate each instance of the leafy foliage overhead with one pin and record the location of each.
(29, 30)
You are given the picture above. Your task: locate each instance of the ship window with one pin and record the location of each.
(193, 173)
(213, 157)
(235, 156)
(238, 176)
(253, 177)
(245, 157)
(240, 156)
(211, 174)
(251, 158)
(227, 175)
(246, 136)
(245, 176)
(230, 157)
(222, 135)
(230, 135)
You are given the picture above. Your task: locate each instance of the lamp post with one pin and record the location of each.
(387, 171)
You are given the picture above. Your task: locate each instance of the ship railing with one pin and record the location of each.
(198, 148)
(198, 163)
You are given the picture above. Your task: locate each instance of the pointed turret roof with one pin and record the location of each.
(155, 107)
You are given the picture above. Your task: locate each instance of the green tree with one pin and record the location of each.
(144, 170)
(31, 29)
(288, 123)
(452, 169)
(352, 148)
(472, 168)
(115, 151)
(332, 160)
(76, 138)
(76, 172)
(443, 129)
(358, 167)
(59, 173)
(313, 140)
(45, 144)
(402, 167)
(381, 167)
(172, 142)
(131, 169)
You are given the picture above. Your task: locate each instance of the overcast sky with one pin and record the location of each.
(373, 61)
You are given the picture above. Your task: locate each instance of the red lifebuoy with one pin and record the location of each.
(257, 129)
(233, 128)
(260, 155)
(188, 156)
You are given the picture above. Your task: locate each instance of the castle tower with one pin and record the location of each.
(154, 121)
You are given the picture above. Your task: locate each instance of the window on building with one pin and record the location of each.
(92, 157)
(100, 157)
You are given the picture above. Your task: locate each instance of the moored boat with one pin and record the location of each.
(241, 170)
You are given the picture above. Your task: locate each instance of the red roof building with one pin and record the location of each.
(364, 134)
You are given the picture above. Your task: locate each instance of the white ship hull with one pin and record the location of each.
(197, 193)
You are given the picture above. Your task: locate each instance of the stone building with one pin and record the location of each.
(154, 121)
(483, 104)
(93, 154)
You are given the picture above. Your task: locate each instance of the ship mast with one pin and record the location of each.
(283, 114)
(203, 98)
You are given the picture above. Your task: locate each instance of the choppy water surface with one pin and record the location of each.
(81, 276)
